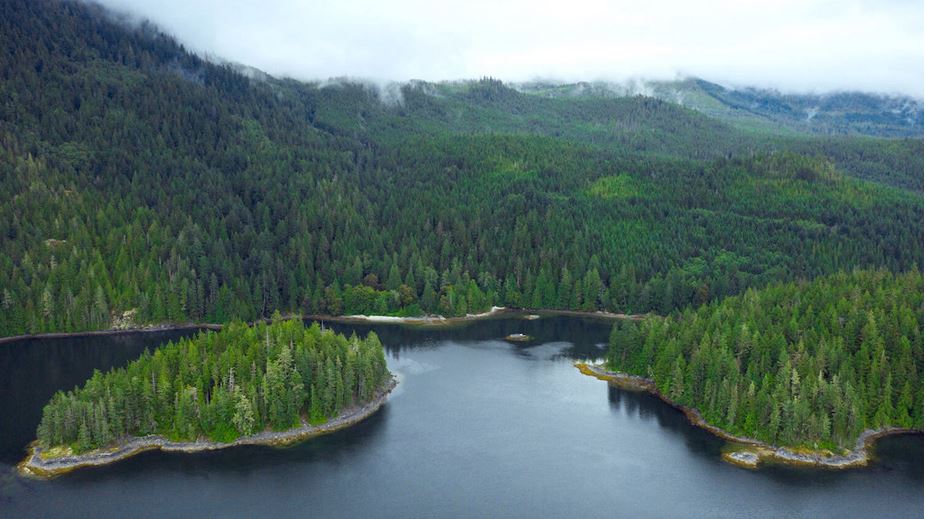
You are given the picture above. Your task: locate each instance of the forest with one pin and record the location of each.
(142, 181)
(808, 364)
(221, 385)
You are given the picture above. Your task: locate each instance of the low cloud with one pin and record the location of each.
(791, 45)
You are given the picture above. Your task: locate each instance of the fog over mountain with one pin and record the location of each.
(790, 45)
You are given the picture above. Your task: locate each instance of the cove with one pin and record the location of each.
(479, 426)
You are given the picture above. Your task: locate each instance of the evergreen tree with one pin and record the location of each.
(831, 378)
(166, 392)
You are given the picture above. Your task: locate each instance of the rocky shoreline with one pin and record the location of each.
(429, 320)
(34, 465)
(496, 311)
(749, 452)
(599, 314)
(424, 320)
(114, 331)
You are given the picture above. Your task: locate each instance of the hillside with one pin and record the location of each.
(837, 113)
(141, 178)
(631, 124)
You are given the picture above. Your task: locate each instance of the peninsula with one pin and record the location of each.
(803, 373)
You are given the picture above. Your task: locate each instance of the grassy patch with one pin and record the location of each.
(57, 451)
(620, 187)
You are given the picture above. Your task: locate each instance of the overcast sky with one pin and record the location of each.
(793, 45)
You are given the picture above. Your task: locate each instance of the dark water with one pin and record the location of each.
(477, 428)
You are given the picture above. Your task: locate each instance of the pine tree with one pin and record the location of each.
(244, 415)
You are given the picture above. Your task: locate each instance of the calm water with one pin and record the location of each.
(477, 428)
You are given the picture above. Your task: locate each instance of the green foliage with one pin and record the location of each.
(810, 364)
(139, 177)
(616, 187)
(220, 385)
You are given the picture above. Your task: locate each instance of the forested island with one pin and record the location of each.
(263, 384)
(820, 367)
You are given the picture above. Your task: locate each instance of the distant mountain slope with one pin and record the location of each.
(640, 124)
(840, 113)
(630, 123)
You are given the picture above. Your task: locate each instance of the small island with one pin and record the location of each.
(269, 384)
(807, 373)
(517, 337)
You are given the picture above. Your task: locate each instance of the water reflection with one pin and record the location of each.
(647, 407)
(34, 369)
(900, 454)
(587, 337)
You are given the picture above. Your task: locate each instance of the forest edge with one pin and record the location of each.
(749, 452)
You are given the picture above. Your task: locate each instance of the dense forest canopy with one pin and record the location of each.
(221, 385)
(140, 180)
(801, 364)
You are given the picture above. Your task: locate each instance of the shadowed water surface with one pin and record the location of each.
(478, 427)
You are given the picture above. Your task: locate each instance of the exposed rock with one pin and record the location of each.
(125, 320)
(745, 459)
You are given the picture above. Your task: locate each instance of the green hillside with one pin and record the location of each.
(835, 113)
(140, 178)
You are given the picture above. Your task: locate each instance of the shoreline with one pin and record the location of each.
(35, 466)
(747, 452)
(149, 328)
(423, 320)
(495, 311)
(597, 314)
(427, 320)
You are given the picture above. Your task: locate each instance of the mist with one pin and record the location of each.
(790, 45)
